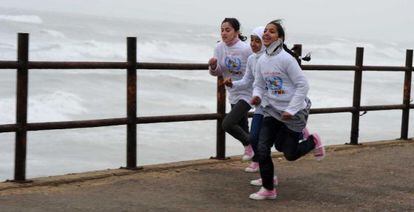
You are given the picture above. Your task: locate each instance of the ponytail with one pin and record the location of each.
(242, 37)
(294, 55)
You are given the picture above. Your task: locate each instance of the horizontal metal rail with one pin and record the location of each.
(8, 128)
(173, 118)
(178, 118)
(76, 124)
(101, 65)
(175, 66)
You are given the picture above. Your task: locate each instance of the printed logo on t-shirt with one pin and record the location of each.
(274, 85)
(233, 64)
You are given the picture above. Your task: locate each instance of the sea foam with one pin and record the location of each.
(30, 19)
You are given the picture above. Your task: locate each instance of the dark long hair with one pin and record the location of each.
(281, 34)
(236, 26)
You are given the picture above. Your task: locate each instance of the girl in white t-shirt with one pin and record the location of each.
(246, 82)
(281, 88)
(229, 61)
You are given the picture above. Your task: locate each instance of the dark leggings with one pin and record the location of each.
(276, 133)
(236, 123)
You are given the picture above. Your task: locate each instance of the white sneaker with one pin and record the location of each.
(319, 151)
(258, 182)
(253, 167)
(248, 153)
(263, 194)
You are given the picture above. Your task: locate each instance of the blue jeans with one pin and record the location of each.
(254, 134)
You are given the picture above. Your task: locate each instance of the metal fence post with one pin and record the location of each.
(221, 110)
(407, 91)
(21, 107)
(132, 103)
(357, 95)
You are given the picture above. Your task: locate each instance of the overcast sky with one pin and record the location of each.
(379, 19)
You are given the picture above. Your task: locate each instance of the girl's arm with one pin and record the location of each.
(259, 84)
(213, 64)
(297, 77)
(248, 78)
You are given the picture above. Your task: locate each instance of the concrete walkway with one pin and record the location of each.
(372, 177)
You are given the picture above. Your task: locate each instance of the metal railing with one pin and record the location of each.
(21, 127)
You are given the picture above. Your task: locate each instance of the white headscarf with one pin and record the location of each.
(258, 31)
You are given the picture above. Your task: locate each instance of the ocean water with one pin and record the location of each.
(63, 95)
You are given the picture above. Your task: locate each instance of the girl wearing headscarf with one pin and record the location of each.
(246, 83)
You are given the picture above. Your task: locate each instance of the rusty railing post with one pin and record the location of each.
(356, 103)
(221, 110)
(407, 91)
(21, 107)
(132, 103)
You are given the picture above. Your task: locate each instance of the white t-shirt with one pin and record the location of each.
(231, 63)
(280, 82)
(247, 81)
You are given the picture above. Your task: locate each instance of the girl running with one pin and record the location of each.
(229, 61)
(281, 88)
(246, 82)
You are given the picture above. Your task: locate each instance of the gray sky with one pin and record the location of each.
(367, 19)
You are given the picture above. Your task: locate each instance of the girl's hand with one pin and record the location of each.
(286, 116)
(228, 82)
(255, 100)
(212, 63)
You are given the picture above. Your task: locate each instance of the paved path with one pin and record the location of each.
(372, 177)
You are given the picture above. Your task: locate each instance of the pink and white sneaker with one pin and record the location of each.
(248, 153)
(305, 133)
(263, 194)
(253, 167)
(319, 151)
(258, 182)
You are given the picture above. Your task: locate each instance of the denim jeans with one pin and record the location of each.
(254, 134)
